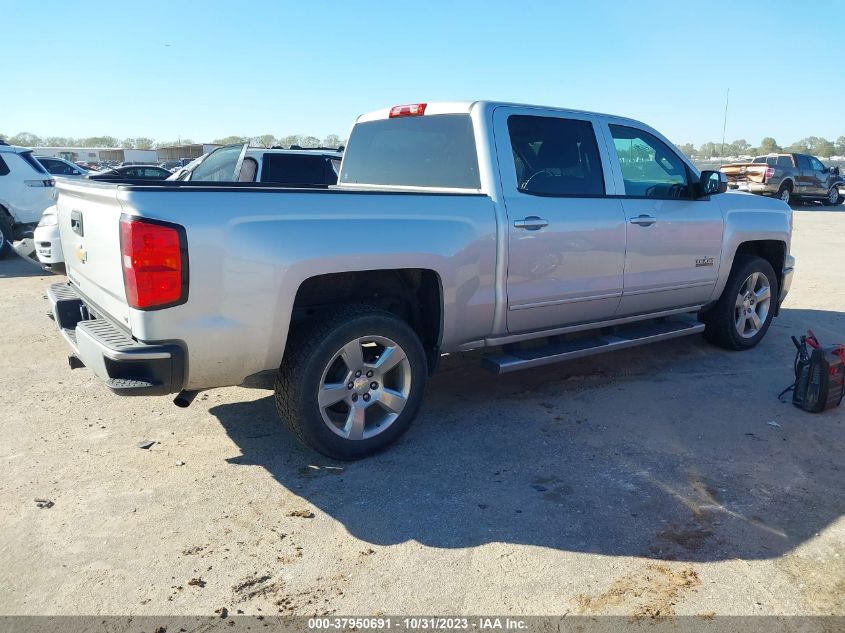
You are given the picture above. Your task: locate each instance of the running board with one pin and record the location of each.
(514, 359)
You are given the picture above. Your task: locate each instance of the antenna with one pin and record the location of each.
(724, 127)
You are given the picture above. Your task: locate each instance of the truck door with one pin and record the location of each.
(806, 185)
(819, 177)
(566, 238)
(674, 240)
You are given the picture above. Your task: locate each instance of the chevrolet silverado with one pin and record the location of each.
(541, 234)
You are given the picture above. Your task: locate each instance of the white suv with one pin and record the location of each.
(26, 190)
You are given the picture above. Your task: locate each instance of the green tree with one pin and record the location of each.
(127, 143)
(25, 139)
(708, 150)
(264, 140)
(840, 146)
(310, 141)
(291, 139)
(99, 141)
(688, 149)
(332, 140)
(768, 146)
(143, 142)
(231, 140)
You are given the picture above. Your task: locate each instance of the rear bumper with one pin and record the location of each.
(128, 367)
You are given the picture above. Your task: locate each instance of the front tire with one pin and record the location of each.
(834, 197)
(351, 382)
(5, 235)
(741, 317)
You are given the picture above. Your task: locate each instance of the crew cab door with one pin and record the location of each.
(819, 177)
(565, 237)
(673, 240)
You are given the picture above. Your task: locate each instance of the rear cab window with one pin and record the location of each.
(428, 151)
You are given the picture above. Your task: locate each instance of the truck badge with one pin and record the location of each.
(704, 261)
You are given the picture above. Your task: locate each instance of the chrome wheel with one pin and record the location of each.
(752, 305)
(364, 387)
(785, 195)
(833, 195)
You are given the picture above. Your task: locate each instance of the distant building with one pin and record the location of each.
(99, 154)
(175, 152)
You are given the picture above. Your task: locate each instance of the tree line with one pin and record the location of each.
(26, 139)
(815, 145)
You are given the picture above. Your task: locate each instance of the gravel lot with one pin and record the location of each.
(665, 479)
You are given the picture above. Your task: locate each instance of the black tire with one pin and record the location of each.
(5, 235)
(720, 321)
(786, 187)
(839, 198)
(310, 352)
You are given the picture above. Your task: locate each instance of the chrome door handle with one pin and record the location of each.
(644, 220)
(531, 223)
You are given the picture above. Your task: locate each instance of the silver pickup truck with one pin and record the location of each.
(540, 233)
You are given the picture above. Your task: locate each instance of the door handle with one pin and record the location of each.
(531, 223)
(644, 220)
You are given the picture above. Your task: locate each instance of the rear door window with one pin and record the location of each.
(650, 168)
(297, 169)
(803, 161)
(416, 151)
(555, 156)
(785, 162)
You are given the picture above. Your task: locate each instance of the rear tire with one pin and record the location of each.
(5, 235)
(741, 317)
(785, 193)
(351, 382)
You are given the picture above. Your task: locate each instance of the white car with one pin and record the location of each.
(26, 190)
(61, 167)
(48, 245)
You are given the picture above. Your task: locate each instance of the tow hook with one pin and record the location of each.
(185, 398)
(75, 362)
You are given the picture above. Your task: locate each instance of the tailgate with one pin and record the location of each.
(743, 172)
(89, 224)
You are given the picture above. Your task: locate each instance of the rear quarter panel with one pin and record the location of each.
(250, 251)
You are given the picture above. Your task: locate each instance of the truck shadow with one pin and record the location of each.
(16, 266)
(678, 451)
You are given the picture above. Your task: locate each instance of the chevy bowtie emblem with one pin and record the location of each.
(81, 254)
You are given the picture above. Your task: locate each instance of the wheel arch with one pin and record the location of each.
(413, 294)
(773, 251)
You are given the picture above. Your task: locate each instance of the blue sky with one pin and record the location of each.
(203, 70)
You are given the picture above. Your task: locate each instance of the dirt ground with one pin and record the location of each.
(660, 480)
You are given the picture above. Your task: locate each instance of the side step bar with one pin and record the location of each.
(514, 359)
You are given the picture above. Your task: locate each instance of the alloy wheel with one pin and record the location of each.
(752, 305)
(365, 387)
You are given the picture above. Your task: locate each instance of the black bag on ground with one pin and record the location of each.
(819, 375)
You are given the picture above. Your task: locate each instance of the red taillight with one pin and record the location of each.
(155, 263)
(770, 171)
(414, 109)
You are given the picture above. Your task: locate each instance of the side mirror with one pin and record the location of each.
(713, 182)
(834, 170)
